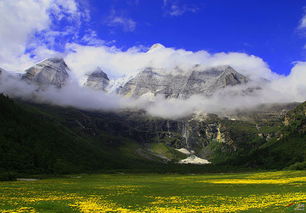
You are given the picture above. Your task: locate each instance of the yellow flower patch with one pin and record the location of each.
(222, 203)
(98, 205)
(21, 210)
(160, 193)
(255, 181)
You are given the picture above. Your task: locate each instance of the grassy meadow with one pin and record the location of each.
(236, 192)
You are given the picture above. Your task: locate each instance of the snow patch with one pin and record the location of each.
(27, 179)
(115, 84)
(194, 160)
(184, 151)
(149, 96)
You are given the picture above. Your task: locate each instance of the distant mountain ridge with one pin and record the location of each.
(149, 82)
(206, 82)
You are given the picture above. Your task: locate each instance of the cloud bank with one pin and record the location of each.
(115, 62)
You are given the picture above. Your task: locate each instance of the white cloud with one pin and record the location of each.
(303, 22)
(62, 7)
(292, 87)
(116, 63)
(177, 8)
(27, 25)
(82, 97)
(115, 20)
(19, 19)
(91, 38)
(127, 24)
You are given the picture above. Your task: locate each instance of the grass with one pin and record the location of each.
(236, 192)
(168, 152)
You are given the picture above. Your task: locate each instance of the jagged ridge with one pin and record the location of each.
(206, 82)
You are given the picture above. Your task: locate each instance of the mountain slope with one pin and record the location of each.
(36, 141)
(286, 149)
(36, 138)
(31, 140)
(290, 148)
(208, 136)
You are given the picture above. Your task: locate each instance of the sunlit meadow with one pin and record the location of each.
(283, 191)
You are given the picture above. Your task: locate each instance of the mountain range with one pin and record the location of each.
(149, 82)
(43, 138)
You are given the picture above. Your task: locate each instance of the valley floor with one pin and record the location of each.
(282, 191)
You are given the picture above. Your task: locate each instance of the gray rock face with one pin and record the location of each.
(52, 71)
(206, 82)
(97, 80)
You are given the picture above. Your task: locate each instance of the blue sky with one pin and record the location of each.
(267, 29)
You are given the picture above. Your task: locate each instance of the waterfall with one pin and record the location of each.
(168, 128)
(185, 134)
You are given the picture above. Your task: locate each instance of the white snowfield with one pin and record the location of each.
(114, 84)
(194, 160)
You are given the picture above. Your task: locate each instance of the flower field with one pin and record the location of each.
(237, 192)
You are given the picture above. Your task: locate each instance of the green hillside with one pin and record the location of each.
(287, 150)
(290, 149)
(40, 138)
(36, 141)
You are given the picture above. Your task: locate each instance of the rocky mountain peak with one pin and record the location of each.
(98, 73)
(97, 80)
(182, 84)
(149, 72)
(231, 77)
(156, 47)
(51, 71)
